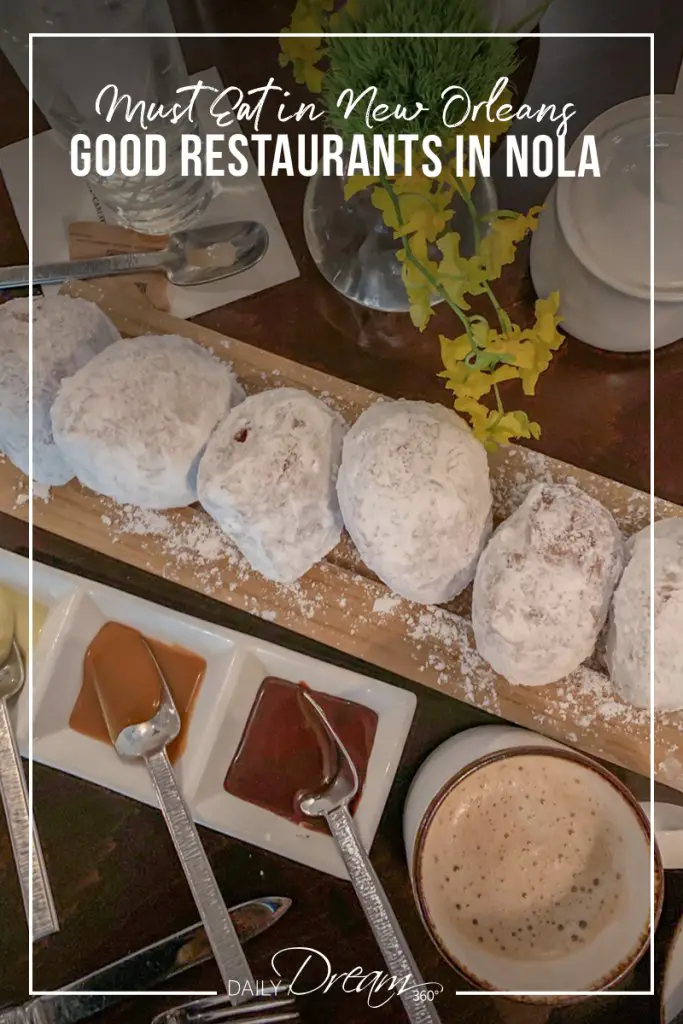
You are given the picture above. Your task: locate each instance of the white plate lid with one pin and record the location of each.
(606, 219)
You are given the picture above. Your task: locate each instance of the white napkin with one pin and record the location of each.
(60, 199)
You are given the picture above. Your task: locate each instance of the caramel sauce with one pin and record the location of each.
(283, 753)
(118, 664)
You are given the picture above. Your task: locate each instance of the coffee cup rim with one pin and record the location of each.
(619, 972)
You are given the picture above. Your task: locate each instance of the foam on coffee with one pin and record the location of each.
(524, 861)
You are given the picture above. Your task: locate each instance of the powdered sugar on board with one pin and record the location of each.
(584, 698)
(41, 492)
(19, 496)
(384, 605)
(515, 469)
(440, 643)
(190, 539)
(449, 650)
(186, 538)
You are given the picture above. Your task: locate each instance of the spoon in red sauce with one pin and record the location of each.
(332, 803)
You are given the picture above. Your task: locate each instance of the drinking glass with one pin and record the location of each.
(69, 73)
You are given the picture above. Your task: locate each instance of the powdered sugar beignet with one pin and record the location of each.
(66, 334)
(135, 420)
(628, 638)
(544, 583)
(416, 499)
(268, 478)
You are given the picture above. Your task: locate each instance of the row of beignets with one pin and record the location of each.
(159, 422)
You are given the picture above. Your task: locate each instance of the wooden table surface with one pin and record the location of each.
(116, 880)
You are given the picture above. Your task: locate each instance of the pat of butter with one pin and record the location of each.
(14, 621)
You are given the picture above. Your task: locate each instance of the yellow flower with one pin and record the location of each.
(415, 182)
(532, 348)
(419, 295)
(453, 351)
(541, 341)
(304, 54)
(418, 288)
(476, 361)
(547, 319)
(419, 210)
(306, 73)
(497, 428)
(499, 246)
(356, 183)
(416, 211)
(297, 48)
(307, 11)
(469, 382)
(424, 214)
(458, 276)
(389, 209)
(419, 292)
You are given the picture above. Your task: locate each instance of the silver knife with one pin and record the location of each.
(145, 970)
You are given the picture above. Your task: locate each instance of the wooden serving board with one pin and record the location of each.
(339, 602)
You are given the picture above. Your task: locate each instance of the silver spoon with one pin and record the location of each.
(199, 256)
(333, 804)
(15, 801)
(149, 740)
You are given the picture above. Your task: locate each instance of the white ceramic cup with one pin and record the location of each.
(443, 818)
(593, 247)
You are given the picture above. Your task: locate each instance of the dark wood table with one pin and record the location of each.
(116, 880)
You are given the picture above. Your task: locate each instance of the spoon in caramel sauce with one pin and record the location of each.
(332, 802)
(136, 736)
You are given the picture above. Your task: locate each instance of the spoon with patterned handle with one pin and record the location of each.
(199, 256)
(149, 740)
(15, 801)
(332, 803)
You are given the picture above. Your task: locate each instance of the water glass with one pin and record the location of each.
(69, 74)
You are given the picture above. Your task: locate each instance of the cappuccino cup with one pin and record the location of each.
(531, 871)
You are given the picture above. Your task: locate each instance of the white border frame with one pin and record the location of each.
(317, 35)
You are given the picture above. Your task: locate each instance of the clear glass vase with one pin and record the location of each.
(356, 252)
(353, 248)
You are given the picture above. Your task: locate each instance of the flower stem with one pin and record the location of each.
(435, 285)
(499, 401)
(503, 318)
(467, 198)
(440, 290)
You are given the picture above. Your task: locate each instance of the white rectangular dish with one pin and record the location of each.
(236, 666)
